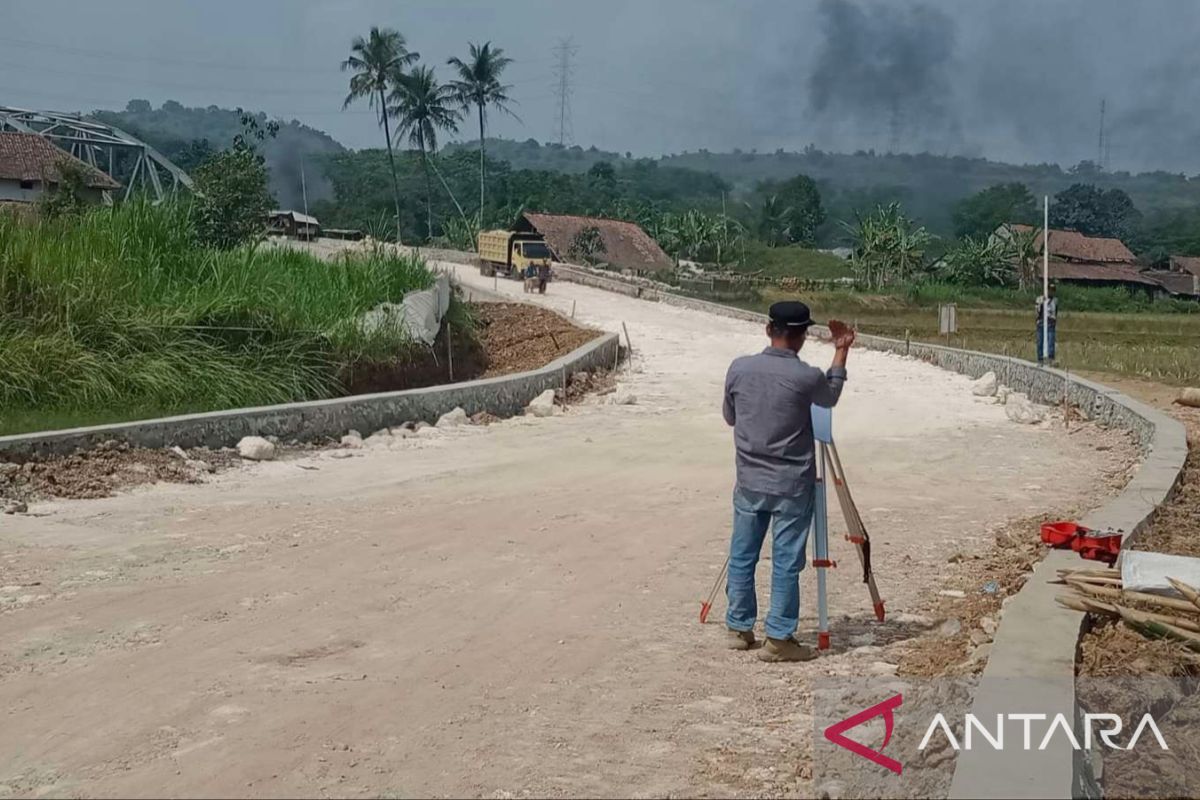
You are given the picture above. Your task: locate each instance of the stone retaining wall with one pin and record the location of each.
(504, 396)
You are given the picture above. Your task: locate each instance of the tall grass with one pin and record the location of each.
(123, 309)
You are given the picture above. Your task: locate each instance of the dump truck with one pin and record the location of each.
(510, 253)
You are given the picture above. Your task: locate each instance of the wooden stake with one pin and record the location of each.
(1141, 597)
(1066, 410)
(1143, 624)
(564, 388)
(628, 341)
(1089, 605)
(450, 351)
(1187, 591)
(572, 309)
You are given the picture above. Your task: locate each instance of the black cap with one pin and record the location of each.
(791, 313)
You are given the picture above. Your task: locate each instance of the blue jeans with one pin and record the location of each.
(1050, 354)
(789, 518)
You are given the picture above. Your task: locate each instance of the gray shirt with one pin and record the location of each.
(768, 401)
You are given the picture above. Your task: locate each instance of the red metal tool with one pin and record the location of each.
(1073, 536)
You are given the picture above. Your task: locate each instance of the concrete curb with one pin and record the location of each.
(505, 395)
(1031, 667)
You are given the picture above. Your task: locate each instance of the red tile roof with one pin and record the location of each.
(30, 157)
(1074, 246)
(625, 244)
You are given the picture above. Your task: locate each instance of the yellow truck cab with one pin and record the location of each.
(509, 253)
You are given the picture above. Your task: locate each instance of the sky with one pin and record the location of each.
(1012, 80)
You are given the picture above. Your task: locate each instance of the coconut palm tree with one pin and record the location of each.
(378, 62)
(422, 107)
(478, 85)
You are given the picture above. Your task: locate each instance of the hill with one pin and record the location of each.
(927, 185)
(178, 131)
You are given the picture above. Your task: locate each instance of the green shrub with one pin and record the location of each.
(122, 307)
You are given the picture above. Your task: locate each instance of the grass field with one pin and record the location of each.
(1162, 347)
(122, 315)
(794, 261)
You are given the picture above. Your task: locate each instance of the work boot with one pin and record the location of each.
(776, 650)
(739, 640)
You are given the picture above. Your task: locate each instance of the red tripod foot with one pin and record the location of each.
(823, 640)
(704, 609)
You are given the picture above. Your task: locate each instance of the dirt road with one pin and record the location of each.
(496, 612)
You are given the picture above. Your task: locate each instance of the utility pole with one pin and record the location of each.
(563, 53)
(303, 186)
(1100, 146)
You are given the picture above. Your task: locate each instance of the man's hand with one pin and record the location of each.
(841, 334)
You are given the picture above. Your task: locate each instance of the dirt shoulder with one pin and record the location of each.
(1121, 671)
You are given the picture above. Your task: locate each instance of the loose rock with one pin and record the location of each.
(985, 386)
(623, 397)
(256, 448)
(1020, 410)
(16, 507)
(453, 419)
(543, 405)
(950, 627)
(352, 440)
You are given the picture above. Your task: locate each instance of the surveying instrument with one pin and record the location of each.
(829, 470)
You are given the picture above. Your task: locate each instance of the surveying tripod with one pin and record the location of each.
(829, 468)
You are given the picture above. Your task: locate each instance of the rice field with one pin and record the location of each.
(121, 315)
(1162, 347)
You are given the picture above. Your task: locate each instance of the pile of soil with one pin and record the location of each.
(1112, 652)
(1177, 524)
(1110, 648)
(516, 337)
(510, 337)
(104, 470)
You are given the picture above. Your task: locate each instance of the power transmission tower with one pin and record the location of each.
(563, 53)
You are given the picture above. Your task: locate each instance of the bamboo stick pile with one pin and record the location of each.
(1100, 591)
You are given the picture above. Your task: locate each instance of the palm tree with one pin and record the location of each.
(422, 108)
(378, 62)
(478, 85)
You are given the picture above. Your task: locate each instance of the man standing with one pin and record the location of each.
(768, 401)
(1047, 314)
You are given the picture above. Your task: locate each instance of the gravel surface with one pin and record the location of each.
(499, 611)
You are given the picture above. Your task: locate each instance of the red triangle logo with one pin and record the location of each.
(834, 732)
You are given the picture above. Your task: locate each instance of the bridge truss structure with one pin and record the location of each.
(109, 149)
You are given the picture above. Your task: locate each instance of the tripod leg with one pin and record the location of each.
(705, 607)
(820, 530)
(856, 529)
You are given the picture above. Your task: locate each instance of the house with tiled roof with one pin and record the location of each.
(30, 165)
(1090, 260)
